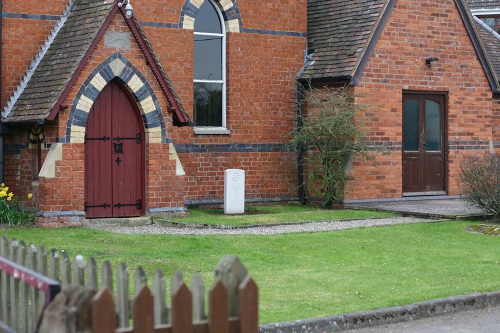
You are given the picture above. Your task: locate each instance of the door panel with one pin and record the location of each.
(423, 148)
(114, 156)
(98, 182)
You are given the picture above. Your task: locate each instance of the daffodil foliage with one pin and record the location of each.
(11, 212)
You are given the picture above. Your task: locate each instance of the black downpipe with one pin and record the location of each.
(300, 148)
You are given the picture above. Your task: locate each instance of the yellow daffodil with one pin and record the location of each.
(30, 195)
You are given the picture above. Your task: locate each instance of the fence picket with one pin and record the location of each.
(249, 306)
(54, 265)
(14, 288)
(218, 316)
(232, 272)
(41, 260)
(92, 274)
(198, 291)
(123, 296)
(159, 290)
(65, 267)
(5, 280)
(103, 312)
(182, 306)
(23, 290)
(42, 269)
(140, 279)
(142, 314)
(33, 293)
(107, 276)
(79, 270)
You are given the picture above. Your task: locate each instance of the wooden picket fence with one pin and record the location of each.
(232, 297)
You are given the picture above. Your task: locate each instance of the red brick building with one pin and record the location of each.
(106, 115)
(426, 81)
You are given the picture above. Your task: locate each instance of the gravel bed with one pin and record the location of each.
(321, 226)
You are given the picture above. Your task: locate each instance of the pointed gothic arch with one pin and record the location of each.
(114, 155)
(229, 9)
(117, 66)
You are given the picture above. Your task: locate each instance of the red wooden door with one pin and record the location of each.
(114, 156)
(423, 144)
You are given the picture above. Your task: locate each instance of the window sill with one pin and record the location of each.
(211, 130)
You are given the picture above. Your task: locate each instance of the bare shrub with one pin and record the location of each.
(480, 182)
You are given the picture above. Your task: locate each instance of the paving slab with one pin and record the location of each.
(442, 207)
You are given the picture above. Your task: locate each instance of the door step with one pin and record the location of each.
(122, 221)
(421, 194)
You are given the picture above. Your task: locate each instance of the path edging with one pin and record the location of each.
(392, 315)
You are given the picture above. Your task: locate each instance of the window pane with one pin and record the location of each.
(410, 125)
(432, 126)
(207, 57)
(207, 19)
(208, 104)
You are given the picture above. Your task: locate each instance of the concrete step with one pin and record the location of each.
(122, 221)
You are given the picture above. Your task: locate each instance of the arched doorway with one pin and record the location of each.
(114, 156)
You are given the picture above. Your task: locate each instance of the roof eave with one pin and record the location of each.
(341, 79)
(478, 45)
(25, 120)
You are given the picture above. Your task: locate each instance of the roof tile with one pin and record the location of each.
(338, 35)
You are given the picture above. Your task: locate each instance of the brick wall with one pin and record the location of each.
(415, 31)
(262, 59)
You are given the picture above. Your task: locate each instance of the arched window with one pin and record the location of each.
(209, 68)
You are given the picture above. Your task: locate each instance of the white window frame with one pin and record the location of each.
(215, 129)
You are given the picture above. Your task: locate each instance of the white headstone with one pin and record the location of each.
(234, 191)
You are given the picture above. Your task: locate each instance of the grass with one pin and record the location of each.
(259, 215)
(309, 275)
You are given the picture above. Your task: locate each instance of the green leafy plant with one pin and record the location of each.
(480, 182)
(331, 135)
(11, 213)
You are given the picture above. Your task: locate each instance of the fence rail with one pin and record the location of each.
(103, 308)
(24, 291)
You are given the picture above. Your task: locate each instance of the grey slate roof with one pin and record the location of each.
(339, 33)
(483, 4)
(491, 42)
(45, 90)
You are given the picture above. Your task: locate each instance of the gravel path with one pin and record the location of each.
(321, 226)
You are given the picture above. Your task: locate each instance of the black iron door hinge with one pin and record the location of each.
(137, 204)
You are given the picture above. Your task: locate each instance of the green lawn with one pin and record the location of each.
(271, 214)
(311, 274)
